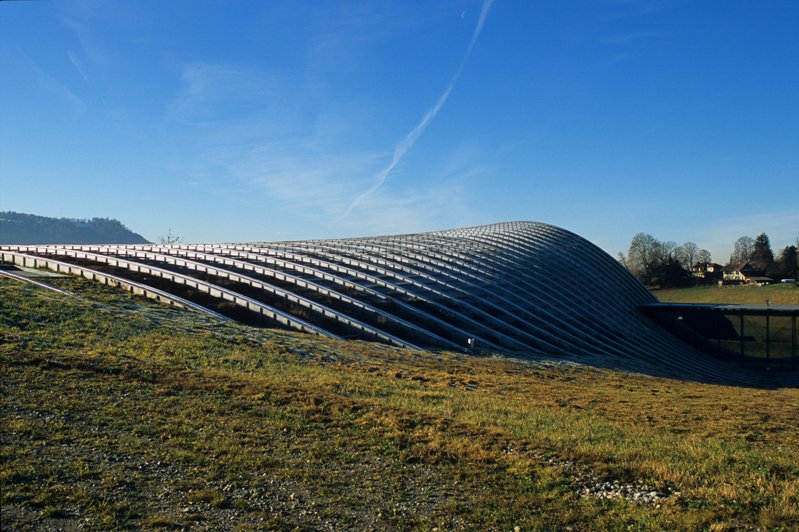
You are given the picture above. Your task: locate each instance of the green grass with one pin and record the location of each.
(781, 333)
(778, 294)
(118, 412)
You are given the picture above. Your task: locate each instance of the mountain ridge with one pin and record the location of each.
(22, 228)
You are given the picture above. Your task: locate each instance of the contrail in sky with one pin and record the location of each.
(410, 139)
(77, 64)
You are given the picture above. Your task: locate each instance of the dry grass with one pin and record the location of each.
(778, 294)
(118, 412)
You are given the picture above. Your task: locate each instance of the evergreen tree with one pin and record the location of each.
(787, 263)
(669, 273)
(762, 257)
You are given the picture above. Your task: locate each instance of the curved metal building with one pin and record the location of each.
(515, 287)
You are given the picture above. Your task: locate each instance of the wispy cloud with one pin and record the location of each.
(55, 87)
(78, 22)
(410, 139)
(315, 185)
(412, 210)
(626, 46)
(301, 178)
(624, 38)
(306, 181)
(279, 137)
(480, 23)
(217, 91)
(77, 64)
(622, 9)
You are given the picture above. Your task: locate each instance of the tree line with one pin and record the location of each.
(667, 264)
(21, 228)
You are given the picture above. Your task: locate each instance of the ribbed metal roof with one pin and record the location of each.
(515, 287)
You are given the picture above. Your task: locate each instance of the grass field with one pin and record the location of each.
(781, 332)
(778, 294)
(118, 412)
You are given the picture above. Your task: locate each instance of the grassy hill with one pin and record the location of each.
(121, 412)
(778, 294)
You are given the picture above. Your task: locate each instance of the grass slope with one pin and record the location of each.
(118, 412)
(778, 294)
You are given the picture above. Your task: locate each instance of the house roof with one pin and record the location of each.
(702, 266)
(742, 267)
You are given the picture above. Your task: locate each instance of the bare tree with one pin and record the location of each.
(666, 250)
(687, 254)
(654, 262)
(642, 254)
(169, 238)
(703, 255)
(742, 252)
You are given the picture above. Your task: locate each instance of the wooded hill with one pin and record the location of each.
(19, 228)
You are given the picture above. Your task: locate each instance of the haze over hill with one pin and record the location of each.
(20, 228)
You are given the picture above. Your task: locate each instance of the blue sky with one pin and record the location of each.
(250, 120)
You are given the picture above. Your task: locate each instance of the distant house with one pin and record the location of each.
(745, 273)
(707, 270)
